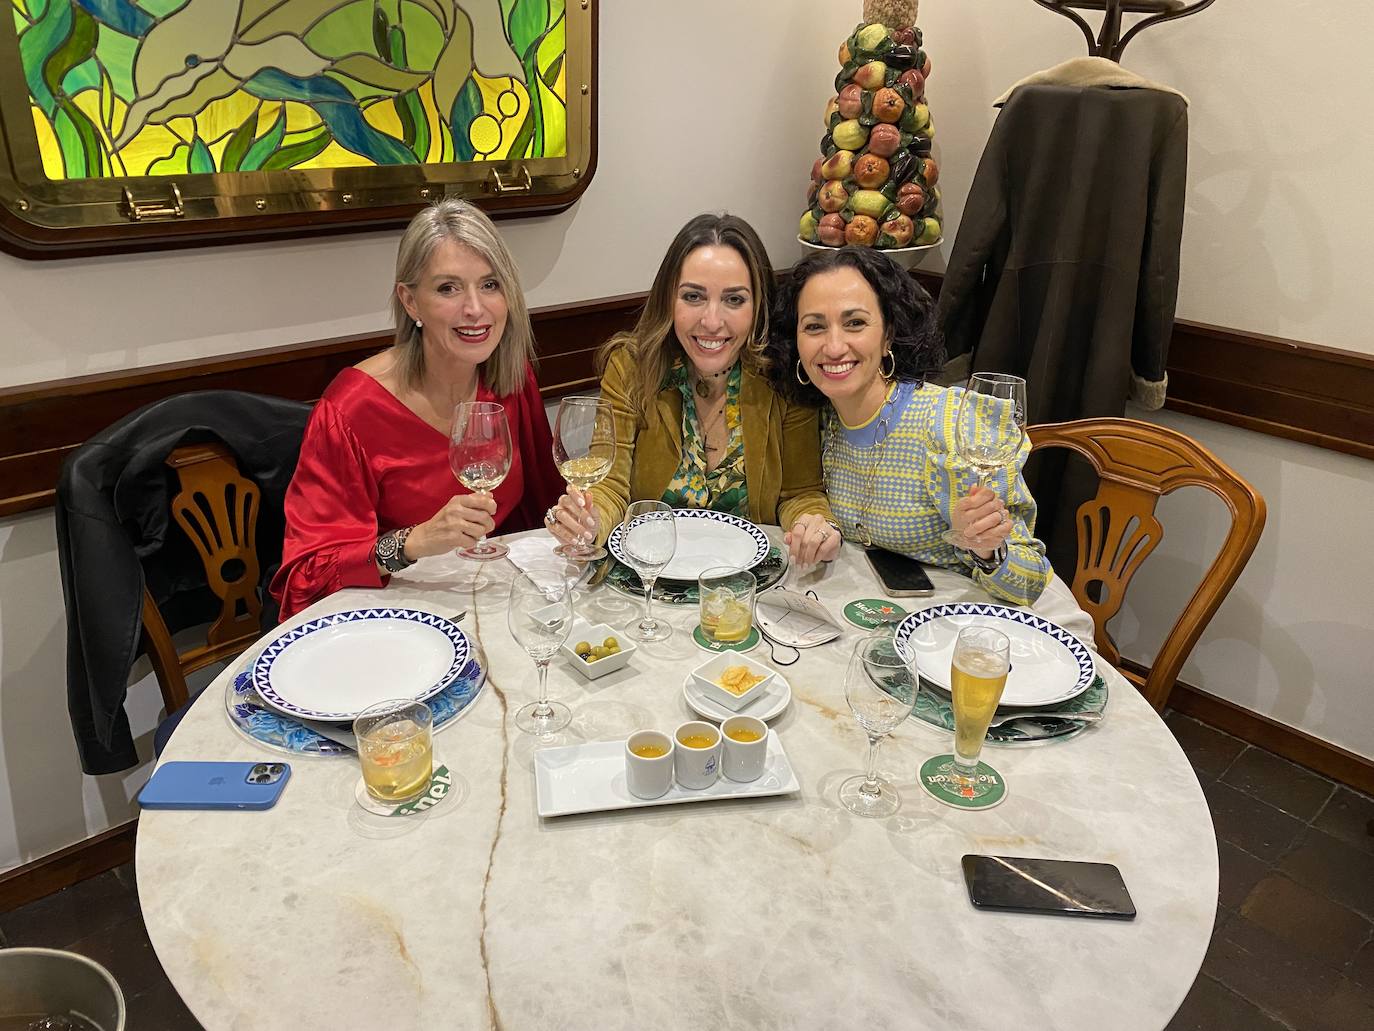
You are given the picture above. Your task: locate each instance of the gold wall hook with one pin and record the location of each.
(522, 184)
(138, 210)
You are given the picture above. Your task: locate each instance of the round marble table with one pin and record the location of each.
(783, 912)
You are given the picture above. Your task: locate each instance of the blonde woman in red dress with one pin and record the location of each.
(373, 491)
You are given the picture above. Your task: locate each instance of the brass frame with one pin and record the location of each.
(42, 218)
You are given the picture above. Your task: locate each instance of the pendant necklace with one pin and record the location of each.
(702, 390)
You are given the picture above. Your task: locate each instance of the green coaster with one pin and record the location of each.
(746, 645)
(871, 613)
(982, 791)
(441, 786)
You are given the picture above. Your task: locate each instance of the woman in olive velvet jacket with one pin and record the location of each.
(697, 424)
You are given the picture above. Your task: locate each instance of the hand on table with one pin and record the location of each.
(574, 519)
(982, 517)
(463, 520)
(811, 540)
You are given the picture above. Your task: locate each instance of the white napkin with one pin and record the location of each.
(529, 552)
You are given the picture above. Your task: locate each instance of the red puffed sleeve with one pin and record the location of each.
(543, 484)
(331, 516)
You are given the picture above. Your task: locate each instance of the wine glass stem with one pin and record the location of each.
(647, 623)
(870, 785)
(543, 708)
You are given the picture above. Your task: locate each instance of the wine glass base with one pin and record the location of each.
(955, 539)
(945, 783)
(659, 631)
(549, 718)
(884, 802)
(580, 552)
(484, 552)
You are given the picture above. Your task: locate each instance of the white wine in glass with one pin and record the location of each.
(479, 453)
(584, 450)
(989, 430)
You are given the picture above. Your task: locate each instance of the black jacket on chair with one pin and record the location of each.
(1065, 270)
(113, 514)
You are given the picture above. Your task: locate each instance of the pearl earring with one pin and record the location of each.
(419, 324)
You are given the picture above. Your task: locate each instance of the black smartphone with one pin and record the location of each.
(901, 577)
(1047, 886)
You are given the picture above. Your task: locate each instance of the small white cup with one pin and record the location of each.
(649, 777)
(743, 760)
(696, 767)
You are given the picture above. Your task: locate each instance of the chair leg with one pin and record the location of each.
(163, 655)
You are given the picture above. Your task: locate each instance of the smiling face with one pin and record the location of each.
(461, 304)
(713, 311)
(841, 341)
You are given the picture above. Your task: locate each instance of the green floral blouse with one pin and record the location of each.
(723, 489)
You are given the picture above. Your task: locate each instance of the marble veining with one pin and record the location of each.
(780, 913)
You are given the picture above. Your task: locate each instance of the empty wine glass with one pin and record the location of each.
(988, 431)
(881, 691)
(540, 618)
(648, 540)
(584, 450)
(479, 453)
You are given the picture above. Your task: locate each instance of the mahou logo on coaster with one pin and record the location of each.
(943, 781)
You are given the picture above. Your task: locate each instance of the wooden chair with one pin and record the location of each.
(218, 510)
(1138, 463)
(1110, 43)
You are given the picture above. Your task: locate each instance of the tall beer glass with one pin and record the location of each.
(977, 677)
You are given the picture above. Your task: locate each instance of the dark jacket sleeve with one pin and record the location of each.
(980, 249)
(1159, 270)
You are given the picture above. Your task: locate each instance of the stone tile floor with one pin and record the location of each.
(1293, 946)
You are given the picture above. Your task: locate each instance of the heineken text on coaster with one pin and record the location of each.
(443, 787)
(945, 784)
(871, 613)
(700, 639)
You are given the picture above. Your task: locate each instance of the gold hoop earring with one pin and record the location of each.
(892, 371)
(803, 382)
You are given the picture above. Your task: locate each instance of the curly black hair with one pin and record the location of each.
(908, 313)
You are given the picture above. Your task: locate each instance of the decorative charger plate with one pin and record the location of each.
(934, 707)
(625, 580)
(271, 728)
(705, 539)
(334, 667)
(1048, 664)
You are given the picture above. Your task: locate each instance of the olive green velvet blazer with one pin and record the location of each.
(782, 450)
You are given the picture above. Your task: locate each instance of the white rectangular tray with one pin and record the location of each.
(591, 778)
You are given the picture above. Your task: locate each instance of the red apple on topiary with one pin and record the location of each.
(870, 171)
(833, 196)
(915, 81)
(861, 231)
(930, 171)
(816, 171)
(884, 139)
(888, 105)
(838, 165)
(901, 229)
(871, 75)
(830, 230)
(851, 101)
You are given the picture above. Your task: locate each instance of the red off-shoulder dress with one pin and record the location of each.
(369, 464)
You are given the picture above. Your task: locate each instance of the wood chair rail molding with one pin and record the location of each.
(1303, 392)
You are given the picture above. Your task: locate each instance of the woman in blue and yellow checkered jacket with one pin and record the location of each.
(853, 329)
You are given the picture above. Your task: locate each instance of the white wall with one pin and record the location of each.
(721, 109)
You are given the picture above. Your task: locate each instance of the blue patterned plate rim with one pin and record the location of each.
(262, 666)
(761, 543)
(1082, 657)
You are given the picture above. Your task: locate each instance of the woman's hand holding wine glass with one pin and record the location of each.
(480, 456)
(989, 429)
(584, 450)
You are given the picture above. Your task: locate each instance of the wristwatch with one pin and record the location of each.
(391, 550)
(988, 565)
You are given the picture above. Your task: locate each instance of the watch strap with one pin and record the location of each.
(390, 550)
(988, 565)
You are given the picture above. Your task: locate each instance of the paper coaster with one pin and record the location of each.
(982, 791)
(441, 788)
(871, 613)
(748, 644)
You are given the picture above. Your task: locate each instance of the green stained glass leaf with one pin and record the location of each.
(84, 76)
(527, 21)
(239, 142)
(116, 52)
(175, 163)
(379, 33)
(451, 75)
(424, 35)
(265, 145)
(297, 153)
(551, 52)
(202, 161)
(465, 109)
(369, 70)
(347, 30)
(555, 123)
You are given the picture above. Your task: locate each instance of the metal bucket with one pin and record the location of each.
(50, 981)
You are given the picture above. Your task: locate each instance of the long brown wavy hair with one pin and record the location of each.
(653, 343)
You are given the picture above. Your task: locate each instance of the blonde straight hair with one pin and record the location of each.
(653, 343)
(468, 225)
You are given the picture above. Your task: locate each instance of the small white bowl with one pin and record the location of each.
(595, 633)
(705, 676)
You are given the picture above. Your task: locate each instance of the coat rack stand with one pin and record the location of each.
(1110, 43)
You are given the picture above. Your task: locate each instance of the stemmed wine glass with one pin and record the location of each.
(881, 691)
(540, 617)
(479, 453)
(648, 540)
(988, 431)
(583, 450)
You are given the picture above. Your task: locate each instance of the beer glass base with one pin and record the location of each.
(549, 718)
(883, 802)
(942, 779)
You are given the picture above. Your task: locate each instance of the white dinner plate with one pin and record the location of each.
(591, 778)
(771, 702)
(334, 667)
(705, 539)
(1048, 664)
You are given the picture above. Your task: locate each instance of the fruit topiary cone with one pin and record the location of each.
(874, 184)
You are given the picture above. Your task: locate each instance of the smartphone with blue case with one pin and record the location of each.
(215, 785)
